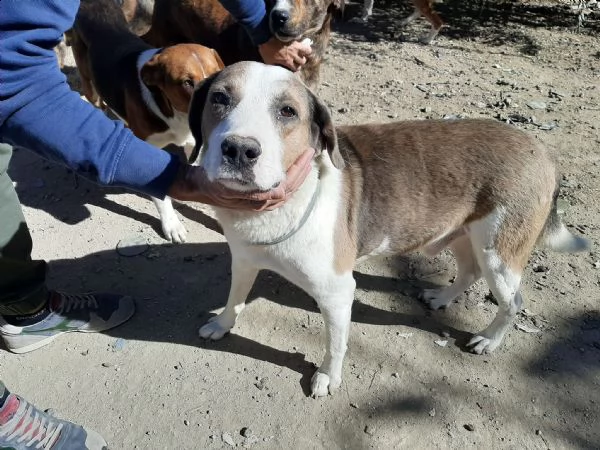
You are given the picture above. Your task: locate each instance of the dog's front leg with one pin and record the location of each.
(243, 274)
(171, 225)
(336, 309)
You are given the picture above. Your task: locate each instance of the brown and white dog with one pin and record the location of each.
(149, 89)
(208, 23)
(422, 8)
(483, 189)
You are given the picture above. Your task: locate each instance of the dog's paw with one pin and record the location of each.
(173, 229)
(322, 384)
(360, 20)
(480, 344)
(436, 298)
(216, 328)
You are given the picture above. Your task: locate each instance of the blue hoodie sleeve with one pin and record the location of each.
(40, 112)
(252, 14)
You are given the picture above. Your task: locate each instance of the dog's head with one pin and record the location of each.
(291, 20)
(254, 121)
(173, 73)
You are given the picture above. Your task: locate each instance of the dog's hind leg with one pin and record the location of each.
(243, 275)
(336, 309)
(415, 15)
(367, 9)
(468, 272)
(501, 253)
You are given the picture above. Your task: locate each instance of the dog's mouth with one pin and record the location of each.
(284, 36)
(242, 185)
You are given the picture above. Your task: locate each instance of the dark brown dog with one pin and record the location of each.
(208, 23)
(150, 89)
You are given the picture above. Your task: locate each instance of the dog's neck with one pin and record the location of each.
(272, 227)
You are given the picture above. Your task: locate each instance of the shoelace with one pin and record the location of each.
(77, 301)
(47, 430)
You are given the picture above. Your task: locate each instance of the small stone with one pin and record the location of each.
(597, 265)
(261, 383)
(343, 110)
(50, 412)
(132, 246)
(85, 352)
(469, 427)
(105, 364)
(538, 432)
(441, 343)
(353, 405)
(395, 375)
(432, 412)
(426, 109)
(186, 422)
(119, 344)
(536, 104)
(246, 432)
(228, 439)
(369, 430)
(540, 268)
(480, 105)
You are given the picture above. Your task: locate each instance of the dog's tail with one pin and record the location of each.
(557, 237)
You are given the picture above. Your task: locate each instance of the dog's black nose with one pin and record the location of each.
(240, 151)
(279, 17)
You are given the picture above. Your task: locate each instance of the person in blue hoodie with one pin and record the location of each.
(39, 112)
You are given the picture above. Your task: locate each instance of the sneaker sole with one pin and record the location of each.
(18, 349)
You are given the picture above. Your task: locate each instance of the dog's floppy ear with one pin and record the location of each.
(197, 110)
(218, 59)
(153, 76)
(324, 134)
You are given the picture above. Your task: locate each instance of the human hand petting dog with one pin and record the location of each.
(192, 184)
(292, 55)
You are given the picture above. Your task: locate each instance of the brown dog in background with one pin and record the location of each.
(208, 23)
(422, 8)
(148, 88)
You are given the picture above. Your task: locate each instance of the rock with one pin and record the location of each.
(186, 422)
(432, 412)
(50, 412)
(596, 265)
(395, 375)
(469, 427)
(343, 110)
(106, 364)
(369, 430)
(246, 432)
(261, 383)
(228, 439)
(404, 335)
(119, 344)
(540, 268)
(353, 405)
(480, 105)
(536, 104)
(132, 246)
(426, 109)
(548, 126)
(441, 343)
(527, 328)
(85, 352)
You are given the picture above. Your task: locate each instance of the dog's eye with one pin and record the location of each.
(288, 112)
(188, 84)
(219, 98)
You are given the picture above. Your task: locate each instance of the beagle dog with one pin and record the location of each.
(421, 8)
(148, 88)
(483, 189)
(208, 23)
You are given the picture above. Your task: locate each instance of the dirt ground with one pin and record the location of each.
(154, 384)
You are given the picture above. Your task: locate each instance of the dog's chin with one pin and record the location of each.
(241, 185)
(287, 37)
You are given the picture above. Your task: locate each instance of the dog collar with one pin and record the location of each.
(289, 234)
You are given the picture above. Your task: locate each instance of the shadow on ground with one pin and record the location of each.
(494, 22)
